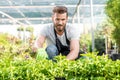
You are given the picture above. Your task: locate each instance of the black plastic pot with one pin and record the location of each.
(60, 78)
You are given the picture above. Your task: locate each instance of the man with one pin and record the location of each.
(61, 37)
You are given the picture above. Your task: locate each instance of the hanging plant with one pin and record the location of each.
(29, 29)
(21, 28)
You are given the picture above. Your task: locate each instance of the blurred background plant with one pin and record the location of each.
(112, 10)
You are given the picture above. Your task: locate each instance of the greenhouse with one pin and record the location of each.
(88, 50)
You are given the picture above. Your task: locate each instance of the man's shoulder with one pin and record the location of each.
(70, 26)
(46, 29)
(47, 26)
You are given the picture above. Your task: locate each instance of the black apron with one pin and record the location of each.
(64, 50)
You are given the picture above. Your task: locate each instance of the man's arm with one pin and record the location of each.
(74, 50)
(39, 43)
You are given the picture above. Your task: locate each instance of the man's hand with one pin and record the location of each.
(74, 50)
(33, 47)
(41, 54)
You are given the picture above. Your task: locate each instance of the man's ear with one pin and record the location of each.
(67, 18)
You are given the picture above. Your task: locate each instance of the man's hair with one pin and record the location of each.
(60, 10)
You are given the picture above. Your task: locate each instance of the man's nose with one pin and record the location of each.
(60, 22)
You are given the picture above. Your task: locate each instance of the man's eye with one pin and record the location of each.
(57, 19)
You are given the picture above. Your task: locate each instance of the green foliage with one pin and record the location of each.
(16, 63)
(103, 31)
(7, 39)
(85, 42)
(3, 39)
(30, 29)
(21, 28)
(92, 67)
(100, 45)
(116, 35)
(113, 12)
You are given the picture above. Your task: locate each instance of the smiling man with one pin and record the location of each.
(61, 37)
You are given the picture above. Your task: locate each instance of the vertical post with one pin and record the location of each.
(78, 14)
(92, 24)
(24, 34)
(115, 48)
(106, 45)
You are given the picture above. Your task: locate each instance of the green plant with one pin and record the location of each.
(21, 28)
(17, 64)
(113, 12)
(30, 29)
(85, 42)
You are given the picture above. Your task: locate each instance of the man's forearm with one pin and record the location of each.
(39, 42)
(38, 45)
(72, 55)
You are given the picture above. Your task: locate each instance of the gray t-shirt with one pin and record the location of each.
(48, 32)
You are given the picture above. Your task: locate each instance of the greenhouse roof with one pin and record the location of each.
(34, 11)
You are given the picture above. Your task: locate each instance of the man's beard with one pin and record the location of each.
(60, 30)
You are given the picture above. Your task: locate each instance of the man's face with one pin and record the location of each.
(59, 21)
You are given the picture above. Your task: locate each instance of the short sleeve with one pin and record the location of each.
(75, 32)
(43, 31)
